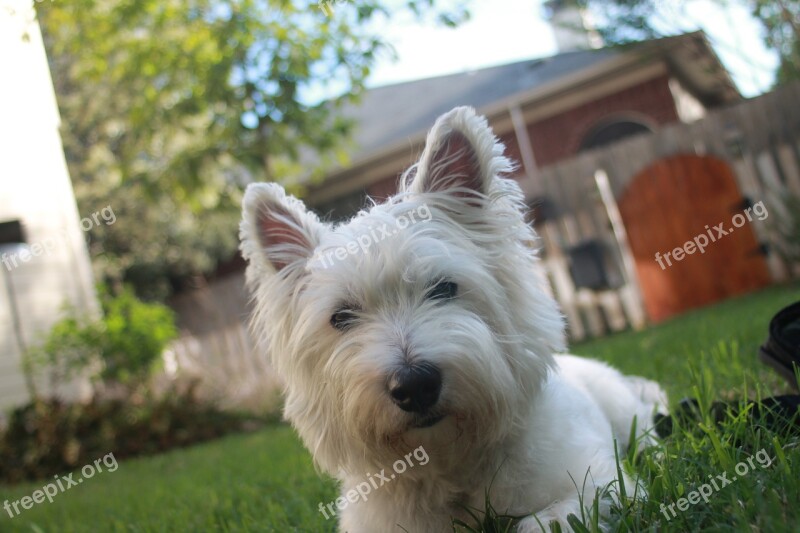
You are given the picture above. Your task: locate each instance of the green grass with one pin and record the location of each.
(725, 337)
(265, 481)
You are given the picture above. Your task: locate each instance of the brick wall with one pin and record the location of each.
(384, 187)
(559, 136)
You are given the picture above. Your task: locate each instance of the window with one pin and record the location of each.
(610, 132)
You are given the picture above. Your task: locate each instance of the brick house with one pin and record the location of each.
(544, 110)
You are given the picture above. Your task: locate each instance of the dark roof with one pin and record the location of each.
(387, 115)
(395, 118)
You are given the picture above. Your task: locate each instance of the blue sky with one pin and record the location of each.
(503, 31)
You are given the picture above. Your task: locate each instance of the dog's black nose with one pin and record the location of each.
(415, 388)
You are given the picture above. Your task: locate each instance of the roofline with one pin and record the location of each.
(521, 98)
(628, 59)
(719, 67)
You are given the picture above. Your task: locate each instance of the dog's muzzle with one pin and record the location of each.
(415, 388)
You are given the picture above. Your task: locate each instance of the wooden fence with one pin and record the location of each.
(217, 348)
(759, 138)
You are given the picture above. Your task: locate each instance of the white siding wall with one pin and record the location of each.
(35, 188)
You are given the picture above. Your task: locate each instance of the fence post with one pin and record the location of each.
(633, 299)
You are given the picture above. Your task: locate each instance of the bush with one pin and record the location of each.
(122, 347)
(134, 336)
(45, 438)
(119, 351)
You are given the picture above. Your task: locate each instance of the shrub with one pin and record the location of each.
(134, 336)
(51, 437)
(122, 347)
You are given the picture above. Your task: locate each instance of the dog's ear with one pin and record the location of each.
(277, 231)
(461, 156)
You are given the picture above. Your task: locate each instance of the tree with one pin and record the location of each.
(627, 21)
(170, 106)
(781, 21)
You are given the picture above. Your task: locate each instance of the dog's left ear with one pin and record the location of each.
(277, 231)
(461, 157)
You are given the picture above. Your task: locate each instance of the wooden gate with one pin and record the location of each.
(680, 202)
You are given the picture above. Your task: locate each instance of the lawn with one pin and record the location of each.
(265, 481)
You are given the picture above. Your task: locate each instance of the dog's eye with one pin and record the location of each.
(343, 319)
(443, 290)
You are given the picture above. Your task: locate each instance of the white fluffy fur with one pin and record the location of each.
(525, 424)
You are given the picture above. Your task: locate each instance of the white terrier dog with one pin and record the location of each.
(437, 334)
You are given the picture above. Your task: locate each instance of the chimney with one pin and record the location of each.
(571, 26)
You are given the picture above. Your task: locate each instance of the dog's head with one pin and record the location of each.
(421, 321)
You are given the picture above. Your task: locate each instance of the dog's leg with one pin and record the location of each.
(620, 397)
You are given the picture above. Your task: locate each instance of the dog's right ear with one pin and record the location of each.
(461, 158)
(277, 231)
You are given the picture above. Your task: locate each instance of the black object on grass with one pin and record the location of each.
(778, 414)
(781, 351)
